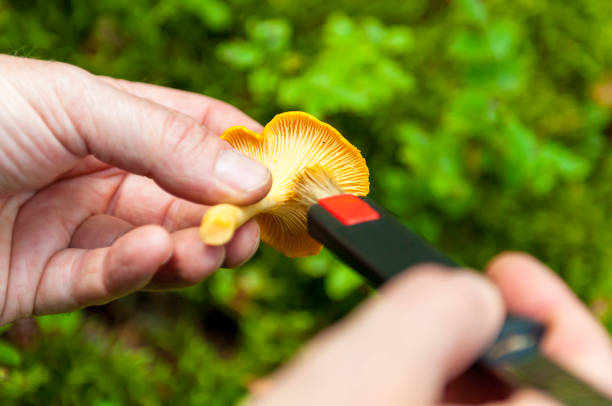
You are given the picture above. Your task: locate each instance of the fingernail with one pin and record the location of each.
(240, 172)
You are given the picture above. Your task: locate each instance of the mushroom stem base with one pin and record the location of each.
(221, 221)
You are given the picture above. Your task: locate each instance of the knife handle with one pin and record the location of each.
(378, 246)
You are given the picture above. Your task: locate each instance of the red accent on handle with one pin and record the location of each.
(349, 209)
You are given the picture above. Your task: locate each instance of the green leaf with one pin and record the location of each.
(341, 282)
(375, 31)
(502, 38)
(471, 112)
(273, 35)
(263, 82)
(239, 54)
(338, 30)
(9, 355)
(399, 40)
(317, 265)
(495, 43)
(354, 72)
(65, 323)
(5, 327)
(216, 14)
(223, 285)
(520, 151)
(416, 146)
(568, 164)
(474, 10)
(107, 403)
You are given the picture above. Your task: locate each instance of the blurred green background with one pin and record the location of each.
(485, 124)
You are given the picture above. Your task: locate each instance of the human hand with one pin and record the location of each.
(103, 183)
(409, 345)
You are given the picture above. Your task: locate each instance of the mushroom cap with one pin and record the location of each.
(291, 145)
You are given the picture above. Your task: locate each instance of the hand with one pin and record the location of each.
(94, 173)
(427, 327)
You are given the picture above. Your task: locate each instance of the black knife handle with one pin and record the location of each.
(381, 248)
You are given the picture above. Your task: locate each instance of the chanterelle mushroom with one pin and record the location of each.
(306, 157)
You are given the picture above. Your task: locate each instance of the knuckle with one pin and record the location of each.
(172, 215)
(68, 77)
(180, 133)
(75, 93)
(183, 136)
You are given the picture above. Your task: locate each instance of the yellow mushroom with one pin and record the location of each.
(308, 160)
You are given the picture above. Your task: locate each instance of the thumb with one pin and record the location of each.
(399, 349)
(143, 137)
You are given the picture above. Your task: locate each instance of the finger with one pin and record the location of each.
(135, 199)
(243, 245)
(190, 263)
(44, 226)
(400, 348)
(74, 278)
(143, 137)
(573, 338)
(99, 231)
(139, 201)
(212, 113)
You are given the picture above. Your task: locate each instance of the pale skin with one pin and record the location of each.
(103, 184)
(408, 345)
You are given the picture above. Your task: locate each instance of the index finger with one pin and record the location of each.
(216, 115)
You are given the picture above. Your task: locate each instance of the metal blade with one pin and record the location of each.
(541, 373)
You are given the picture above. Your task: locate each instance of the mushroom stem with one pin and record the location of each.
(221, 221)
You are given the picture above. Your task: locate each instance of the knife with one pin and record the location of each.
(378, 246)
